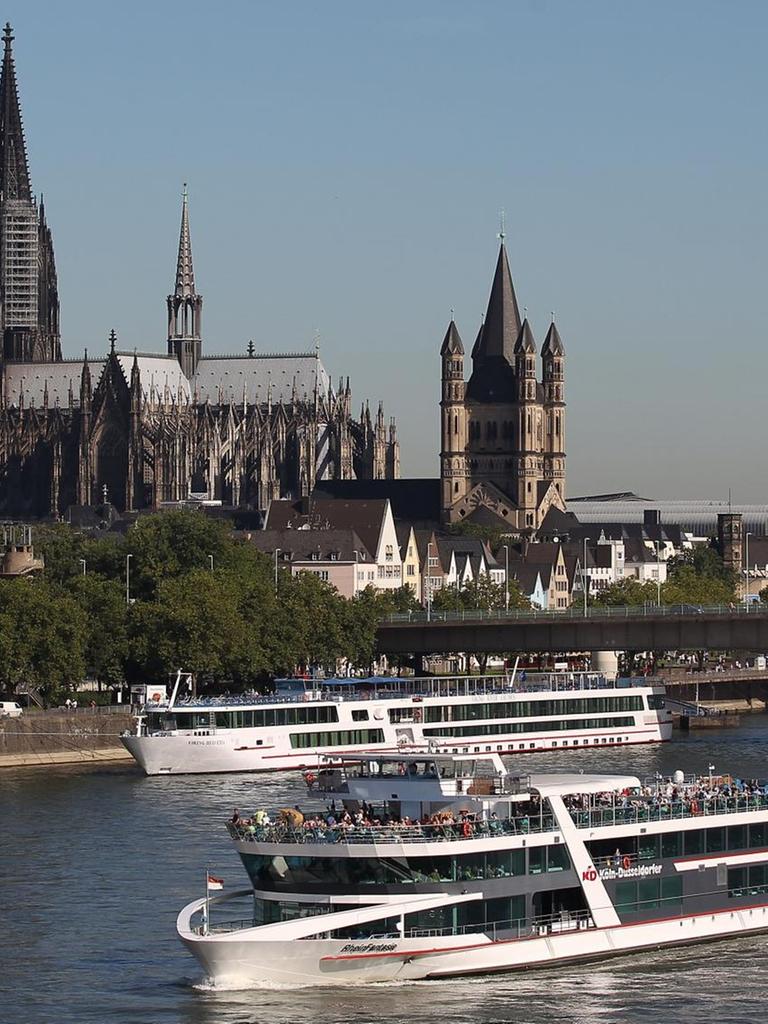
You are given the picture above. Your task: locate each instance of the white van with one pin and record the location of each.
(10, 709)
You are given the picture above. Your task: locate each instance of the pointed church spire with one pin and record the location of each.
(14, 172)
(502, 320)
(525, 341)
(553, 345)
(452, 343)
(185, 306)
(185, 274)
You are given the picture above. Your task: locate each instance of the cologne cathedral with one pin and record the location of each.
(140, 429)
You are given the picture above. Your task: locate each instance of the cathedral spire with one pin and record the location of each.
(185, 274)
(14, 172)
(185, 306)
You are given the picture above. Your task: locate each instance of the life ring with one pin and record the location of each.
(626, 863)
(309, 778)
(467, 830)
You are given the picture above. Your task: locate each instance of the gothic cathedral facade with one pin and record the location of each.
(139, 429)
(502, 452)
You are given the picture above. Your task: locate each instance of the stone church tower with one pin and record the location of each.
(502, 453)
(29, 301)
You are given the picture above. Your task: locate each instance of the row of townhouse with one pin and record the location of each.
(357, 543)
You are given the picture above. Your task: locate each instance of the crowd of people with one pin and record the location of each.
(339, 824)
(707, 794)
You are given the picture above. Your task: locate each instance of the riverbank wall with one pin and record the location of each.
(63, 737)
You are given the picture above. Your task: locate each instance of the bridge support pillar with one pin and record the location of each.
(605, 662)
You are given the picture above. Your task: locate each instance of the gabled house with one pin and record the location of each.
(372, 521)
(338, 557)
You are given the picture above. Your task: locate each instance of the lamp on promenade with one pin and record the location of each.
(128, 579)
(658, 576)
(277, 552)
(506, 577)
(210, 559)
(82, 562)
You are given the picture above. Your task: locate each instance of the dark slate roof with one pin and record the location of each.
(364, 517)
(415, 501)
(493, 354)
(557, 524)
(545, 553)
(502, 320)
(452, 344)
(473, 548)
(525, 341)
(553, 345)
(302, 545)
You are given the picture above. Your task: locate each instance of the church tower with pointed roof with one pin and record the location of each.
(502, 433)
(29, 302)
(185, 306)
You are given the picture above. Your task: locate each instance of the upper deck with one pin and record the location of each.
(382, 688)
(453, 798)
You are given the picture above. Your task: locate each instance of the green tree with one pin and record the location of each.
(482, 593)
(42, 637)
(106, 645)
(629, 591)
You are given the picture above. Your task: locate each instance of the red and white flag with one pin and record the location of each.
(215, 883)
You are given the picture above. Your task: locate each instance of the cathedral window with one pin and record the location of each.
(455, 424)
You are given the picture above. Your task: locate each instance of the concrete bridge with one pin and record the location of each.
(646, 628)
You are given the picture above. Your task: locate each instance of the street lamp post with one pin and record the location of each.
(746, 568)
(277, 552)
(584, 577)
(210, 559)
(506, 577)
(82, 562)
(128, 579)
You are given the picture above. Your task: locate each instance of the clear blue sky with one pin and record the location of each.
(346, 164)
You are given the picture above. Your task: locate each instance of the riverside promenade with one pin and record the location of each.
(57, 736)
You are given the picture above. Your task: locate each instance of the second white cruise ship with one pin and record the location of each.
(305, 719)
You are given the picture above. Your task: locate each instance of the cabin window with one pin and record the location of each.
(758, 834)
(694, 842)
(715, 840)
(737, 837)
(671, 844)
(672, 892)
(360, 715)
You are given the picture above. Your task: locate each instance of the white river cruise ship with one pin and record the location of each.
(432, 866)
(305, 719)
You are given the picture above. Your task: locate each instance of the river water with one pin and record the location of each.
(96, 862)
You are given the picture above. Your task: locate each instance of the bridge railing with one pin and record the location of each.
(575, 612)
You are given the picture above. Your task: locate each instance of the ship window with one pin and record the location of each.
(536, 860)
(557, 858)
(694, 842)
(672, 891)
(671, 844)
(360, 715)
(715, 840)
(648, 847)
(758, 879)
(737, 837)
(737, 880)
(626, 897)
(757, 834)
(648, 894)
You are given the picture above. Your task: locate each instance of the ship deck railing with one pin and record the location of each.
(514, 928)
(375, 834)
(415, 686)
(598, 817)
